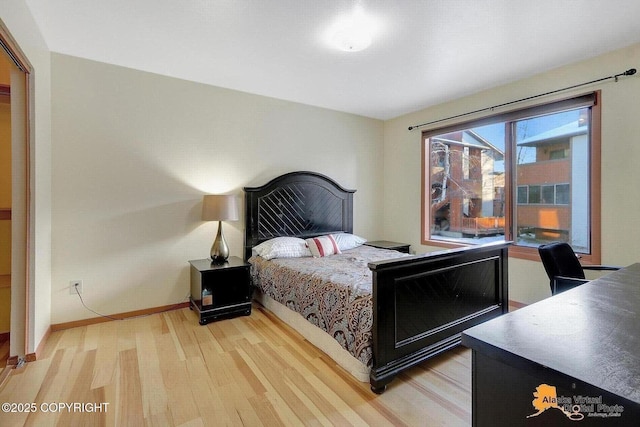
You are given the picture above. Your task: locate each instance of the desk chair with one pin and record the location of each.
(563, 268)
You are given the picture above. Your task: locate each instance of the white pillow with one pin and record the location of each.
(282, 247)
(347, 241)
(323, 246)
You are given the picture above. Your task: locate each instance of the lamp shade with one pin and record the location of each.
(219, 207)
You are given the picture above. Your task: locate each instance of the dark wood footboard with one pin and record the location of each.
(424, 302)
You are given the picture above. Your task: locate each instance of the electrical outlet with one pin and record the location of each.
(73, 285)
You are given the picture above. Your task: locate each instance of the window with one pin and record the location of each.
(562, 194)
(557, 194)
(523, 194)
(534, 194)
(558, 154)
(529, 176)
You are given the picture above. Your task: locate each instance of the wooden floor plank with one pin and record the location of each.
(91, 337)
(184, 331)
(52, 386)
(130, 391)
(167, 370)
(358, 397)
(81, 392)
(315, 399)
(106, 354)
(154, 395)
(240, 380)
(22, 387)
(205, 393)
(246, 330)
(180, 399)
(247, 372)
(265, 411)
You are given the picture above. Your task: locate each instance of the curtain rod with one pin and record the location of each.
(629, 72)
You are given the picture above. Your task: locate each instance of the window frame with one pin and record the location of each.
(590, 99)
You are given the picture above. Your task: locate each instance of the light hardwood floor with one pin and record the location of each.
(167, 370)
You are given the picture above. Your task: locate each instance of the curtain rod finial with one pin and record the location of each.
(629, 72)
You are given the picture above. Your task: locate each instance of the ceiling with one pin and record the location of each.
(423, 53)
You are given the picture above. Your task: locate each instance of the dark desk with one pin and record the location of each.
(581, 347)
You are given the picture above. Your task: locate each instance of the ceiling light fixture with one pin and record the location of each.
(352, 32)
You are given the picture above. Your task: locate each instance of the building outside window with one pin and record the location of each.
(526, 176)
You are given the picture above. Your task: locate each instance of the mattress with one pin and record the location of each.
(332, 293)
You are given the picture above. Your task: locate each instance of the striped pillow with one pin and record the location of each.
(323, 246)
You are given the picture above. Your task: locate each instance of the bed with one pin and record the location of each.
(397, 310)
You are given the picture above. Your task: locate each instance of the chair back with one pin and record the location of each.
(559, 259)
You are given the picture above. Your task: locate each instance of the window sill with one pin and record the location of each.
(515, 251)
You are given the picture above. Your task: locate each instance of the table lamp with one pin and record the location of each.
(219, 207)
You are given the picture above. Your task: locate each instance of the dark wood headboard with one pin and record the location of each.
(300, 204)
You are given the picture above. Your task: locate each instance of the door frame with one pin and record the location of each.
(21, 286)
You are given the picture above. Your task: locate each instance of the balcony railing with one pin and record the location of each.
(483, 226)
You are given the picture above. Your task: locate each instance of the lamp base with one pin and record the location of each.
(219, 249)
(218, 260)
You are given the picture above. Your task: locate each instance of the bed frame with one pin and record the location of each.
(422, 303)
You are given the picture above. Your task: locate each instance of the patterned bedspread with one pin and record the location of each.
(333, 293)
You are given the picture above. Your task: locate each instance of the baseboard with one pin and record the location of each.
(119, 316)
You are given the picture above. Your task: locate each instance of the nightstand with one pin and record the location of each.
(220, 290)
(385, 244)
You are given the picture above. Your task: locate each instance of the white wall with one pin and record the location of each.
(17, 18)
(134, 152)
(620, 154)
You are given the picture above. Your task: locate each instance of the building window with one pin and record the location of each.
(523, 194)
(557, 194)
(562, 194)
(529, 176)
(558, 154)
(534, 194)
